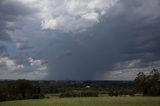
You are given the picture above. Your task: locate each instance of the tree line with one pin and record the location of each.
(145, 84)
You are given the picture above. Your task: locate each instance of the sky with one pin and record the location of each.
(78, 39)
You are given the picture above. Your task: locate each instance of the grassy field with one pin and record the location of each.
(94, 101)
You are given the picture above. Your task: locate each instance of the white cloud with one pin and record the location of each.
(49, 24)
(34, 62)
(38, 64)
(127, 64)
(125, 74)
(128, 70)
(91, 16)
(9, 69)
(69, 15)
(9, 65)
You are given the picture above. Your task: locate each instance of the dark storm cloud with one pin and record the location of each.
(11, 15)
(128, 33)
(2, 50)
(139, 29)
(10, 10)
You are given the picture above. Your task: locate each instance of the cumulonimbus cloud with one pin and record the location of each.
(69, 15)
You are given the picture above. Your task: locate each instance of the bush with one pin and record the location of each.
(38, 96)
(79, 94)
(121, 92)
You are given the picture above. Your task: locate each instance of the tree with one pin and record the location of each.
(148, 84)
(19, 89)
(25, 88)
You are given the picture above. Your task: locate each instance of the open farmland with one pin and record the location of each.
(88, 101)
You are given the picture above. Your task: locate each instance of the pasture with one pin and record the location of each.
(87, 101)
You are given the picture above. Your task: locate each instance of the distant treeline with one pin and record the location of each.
(25, 89)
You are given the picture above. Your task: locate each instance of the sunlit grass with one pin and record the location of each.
(89, 101)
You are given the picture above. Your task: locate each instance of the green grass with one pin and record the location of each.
(89, 101)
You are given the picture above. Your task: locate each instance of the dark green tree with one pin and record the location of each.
(148, 84)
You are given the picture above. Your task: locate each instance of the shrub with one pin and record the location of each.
(38, 96)
(79, 94)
